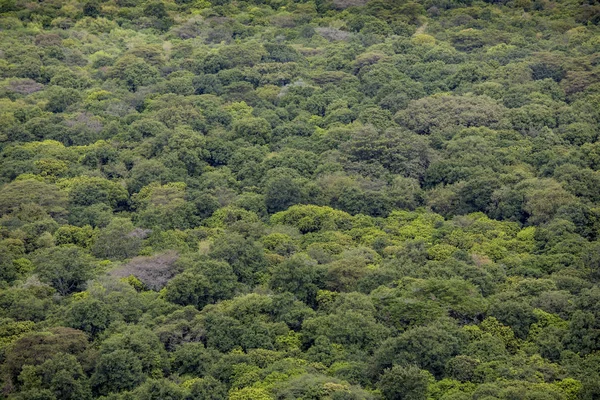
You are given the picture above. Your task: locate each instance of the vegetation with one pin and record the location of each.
(317, 199)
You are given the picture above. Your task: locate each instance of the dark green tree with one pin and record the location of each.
(404, 383)
(65, 268)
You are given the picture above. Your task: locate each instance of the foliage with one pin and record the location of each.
(317, 199)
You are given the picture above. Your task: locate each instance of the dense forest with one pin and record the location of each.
(319, 199)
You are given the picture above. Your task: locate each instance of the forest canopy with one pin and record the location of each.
(316, 199)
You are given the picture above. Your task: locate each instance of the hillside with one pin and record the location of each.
(319, 199)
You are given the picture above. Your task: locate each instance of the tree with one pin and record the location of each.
(134, 72)
(226, 333)
(145, 172)
(244, 255)
(35, 348)
(514, 313)
(298, 275)
(207, 388)
(247, 54)
(276, 199)
(547, 70)
(404, 383)
(31, 303)
(311, 218)
(119, 240)
(15, 194)
(443, 112)
(153, 272)
(206, 283)
(192, 358)
(116, 371)
(591, 260)
(62, 375)
(163, 389)
(543, 198)
(143, 344)
(428, 347)
(254, 130)
(90, 315)
(281, 193)
(60, 98)
(352, 329)
(401, 152)
(157, 10)
(65, 268)
(317, 385)
(86, 191)
(91, 8)
(281, 53)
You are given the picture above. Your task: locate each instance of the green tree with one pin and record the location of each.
(401, 152)
(143, 344)
(281, 193)
(404, 383)
(154, 389)
(119, 240)
(91, 8)
(65, 268)
(35, 348)
(15, 194)
(62, 375)
(207, 388)
(299, 275)
(157, 10)
(192, 358)
(90, 315)
(117, 371)
(86, 191)
(443, 112)
(352, 329)
(428, 347)
(60, 98)
(134, 72)
(254, 130)
(244, 255)
(206, 283)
